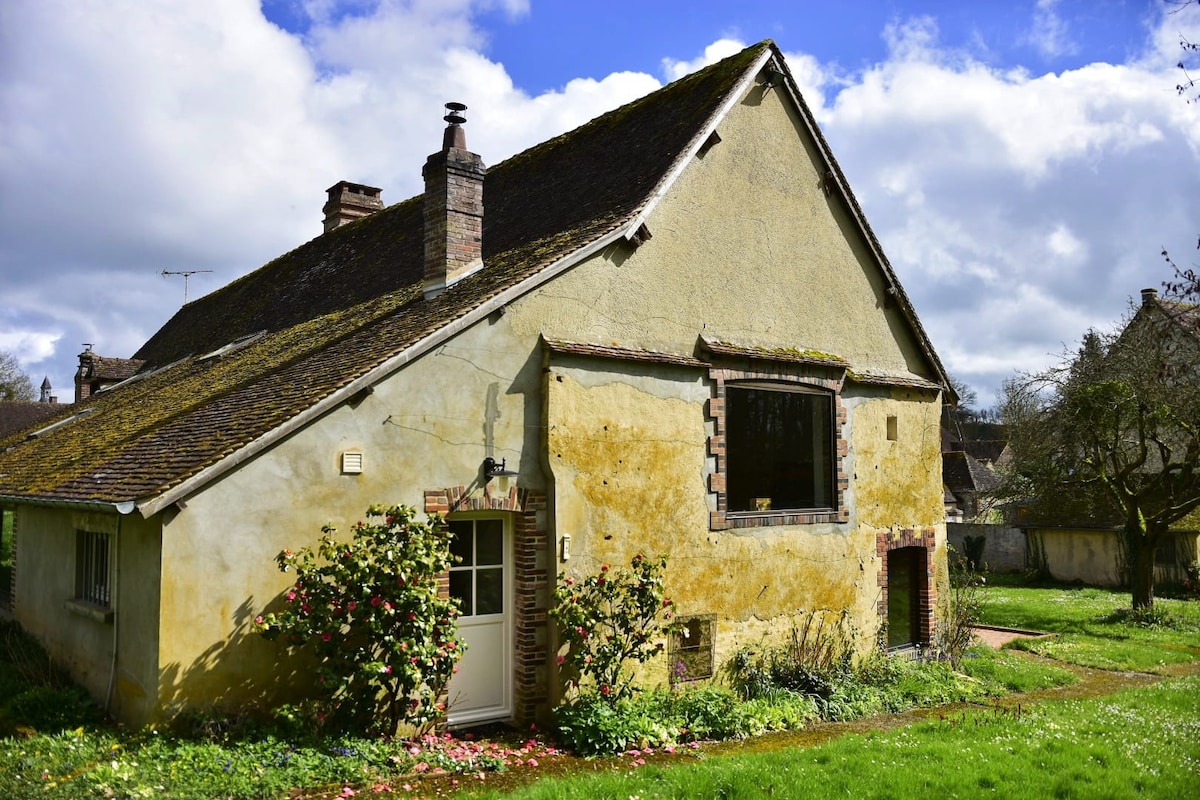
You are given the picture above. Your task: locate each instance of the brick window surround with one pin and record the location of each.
(924, 538)
(530, 582)
(785, 375)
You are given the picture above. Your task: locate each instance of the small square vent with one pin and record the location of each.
(352, 462)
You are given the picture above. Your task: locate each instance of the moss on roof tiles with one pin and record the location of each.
(345, 302)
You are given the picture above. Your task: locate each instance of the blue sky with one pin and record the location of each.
(1023, 163)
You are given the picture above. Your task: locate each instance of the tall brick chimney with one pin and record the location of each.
(453, 208)
(348, 202)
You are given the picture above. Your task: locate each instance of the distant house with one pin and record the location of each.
(670, 330)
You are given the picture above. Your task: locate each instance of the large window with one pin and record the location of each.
(93, 576)
(780, 448)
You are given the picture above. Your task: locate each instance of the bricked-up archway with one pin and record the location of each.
(530, 582)
(913, 551)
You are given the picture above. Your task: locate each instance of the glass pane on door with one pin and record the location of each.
(477, 580)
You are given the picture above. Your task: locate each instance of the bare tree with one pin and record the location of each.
(14, 383)
(1113, 432)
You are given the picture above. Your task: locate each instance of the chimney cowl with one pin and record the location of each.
(1149, 296)
(454, 136)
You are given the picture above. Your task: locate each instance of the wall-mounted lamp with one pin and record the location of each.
(500, 470)
(494, 469)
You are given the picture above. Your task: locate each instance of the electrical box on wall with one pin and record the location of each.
(566, 547)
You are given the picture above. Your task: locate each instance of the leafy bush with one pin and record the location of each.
(612, 618)
(1155, 618)
(369, 609)
(50, 708)
(35, 693)
(816, 656)
(592, 725)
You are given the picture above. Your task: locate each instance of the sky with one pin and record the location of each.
(1023, 163)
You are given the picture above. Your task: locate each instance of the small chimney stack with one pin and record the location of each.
(348, 202)
(453, 207)
(1149, 296)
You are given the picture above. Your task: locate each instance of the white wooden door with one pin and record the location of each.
(482, 580)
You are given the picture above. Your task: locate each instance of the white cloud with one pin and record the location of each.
(722, 48)
(1049, 34)
(173, 135)
(1018, 208)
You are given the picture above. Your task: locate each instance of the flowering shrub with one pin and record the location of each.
(369, 609)
(611, 618)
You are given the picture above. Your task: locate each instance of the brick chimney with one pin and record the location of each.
(453, 208)
(348, 202)
(1149, 297)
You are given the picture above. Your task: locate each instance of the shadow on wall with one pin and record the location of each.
(243, 675)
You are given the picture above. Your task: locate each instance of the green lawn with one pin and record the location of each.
(1142, 742)
(1092, 630)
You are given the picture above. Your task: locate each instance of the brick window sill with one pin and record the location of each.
(753, 519)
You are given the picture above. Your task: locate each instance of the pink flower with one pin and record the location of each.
(326, 636)
(347, 792)
(258, 620)
(351, 605)
(561, 659)
(532, 762)
(376, 600)
(606, 690)
(291, 596)
(387, 606)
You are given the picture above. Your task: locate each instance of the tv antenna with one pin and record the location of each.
(187, 273)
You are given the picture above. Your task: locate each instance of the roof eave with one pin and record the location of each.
(685, 157)
(121, 507)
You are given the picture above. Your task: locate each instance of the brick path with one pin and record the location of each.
(998, 637)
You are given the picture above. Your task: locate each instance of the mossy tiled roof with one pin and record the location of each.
(339, 306)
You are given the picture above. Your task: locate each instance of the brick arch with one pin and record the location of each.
(924, 538)
(530, 582)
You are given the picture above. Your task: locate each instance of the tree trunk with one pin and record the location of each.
(1141, 548)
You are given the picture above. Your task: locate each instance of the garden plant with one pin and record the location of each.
(369, 610)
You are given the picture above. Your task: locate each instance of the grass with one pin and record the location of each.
(52, 745)
(1092, 628)
(1110, 747)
